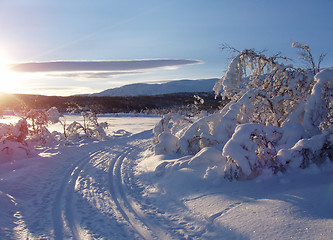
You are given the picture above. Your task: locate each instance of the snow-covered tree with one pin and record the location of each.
(275, 112)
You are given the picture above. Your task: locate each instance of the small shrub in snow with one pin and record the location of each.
(13, 142)
(90, 128)
(251, 149)
(315, 150)
(173, 123)
(53, 115)
(18, 141)
(38, 122)
(74, 130)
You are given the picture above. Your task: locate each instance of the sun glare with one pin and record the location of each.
(7, 78)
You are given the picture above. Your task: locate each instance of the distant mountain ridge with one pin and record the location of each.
(151, 89)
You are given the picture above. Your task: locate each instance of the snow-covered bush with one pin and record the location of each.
(318, 110)
(275, 112)
(199, 135)
(315, 150)
(19, 140)
(251, 149)
(73, 130)
(90, 127)
(53, 115)
(284, 96)
(173, 123)
(13, 142)
(38, 120)
(280, 88)
(166, 143)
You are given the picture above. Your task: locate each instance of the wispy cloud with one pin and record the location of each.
(94, 66)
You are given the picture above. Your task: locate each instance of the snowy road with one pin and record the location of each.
(99, 196)
(97, 182)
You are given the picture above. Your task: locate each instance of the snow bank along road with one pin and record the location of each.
(109, 190)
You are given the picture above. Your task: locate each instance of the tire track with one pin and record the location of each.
(64, 222)
(129, 209)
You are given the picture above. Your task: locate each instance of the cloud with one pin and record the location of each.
(89, 75)
(109, 65)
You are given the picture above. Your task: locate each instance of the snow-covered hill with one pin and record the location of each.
(144, 89)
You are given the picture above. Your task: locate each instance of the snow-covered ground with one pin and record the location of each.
(133, 123)
(112, 190)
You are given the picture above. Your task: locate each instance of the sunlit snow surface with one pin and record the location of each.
(112, 190)
(133, 123)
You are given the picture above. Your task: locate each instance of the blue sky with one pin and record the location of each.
(186, 33)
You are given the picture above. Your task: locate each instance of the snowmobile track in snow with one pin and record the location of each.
(62, 211)
(130, 210)
(66, 225)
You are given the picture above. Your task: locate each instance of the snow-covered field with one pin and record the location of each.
(112, 190)
(134, 123)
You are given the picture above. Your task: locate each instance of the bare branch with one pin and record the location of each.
(306, 56)
(321, 58)
(225, 46)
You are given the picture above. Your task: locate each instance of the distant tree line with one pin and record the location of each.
(24, 102)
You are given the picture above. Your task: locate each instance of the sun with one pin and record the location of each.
(8, 83)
